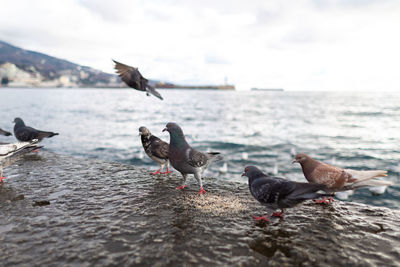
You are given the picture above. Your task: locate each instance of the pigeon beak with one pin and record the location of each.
(243, 174)
(294, 161)
(164, 129)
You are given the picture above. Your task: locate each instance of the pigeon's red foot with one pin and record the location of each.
(325, 200)
(278, 214)
(202, 191)
(156, 172)
(181, 187)
(36, 150)
(2, 178)
(262, 218)
(167, 172)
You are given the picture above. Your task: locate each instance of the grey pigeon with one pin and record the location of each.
(186, 159)
(155, 148)
(132, 77)
(25, 133)
(279, 193)
(2, 132)
(9, 153)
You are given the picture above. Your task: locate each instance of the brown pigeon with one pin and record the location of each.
(335, 178)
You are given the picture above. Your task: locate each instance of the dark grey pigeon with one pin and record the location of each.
(186, 159)
(279, 193)
(2, 132)
(155, 148)
(132, 77)
(26, 134)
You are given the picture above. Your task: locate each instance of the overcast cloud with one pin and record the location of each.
(296, 45)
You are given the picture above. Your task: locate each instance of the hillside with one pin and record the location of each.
(25, 68)
(22, 67)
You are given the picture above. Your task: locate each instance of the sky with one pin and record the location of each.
(295, 45)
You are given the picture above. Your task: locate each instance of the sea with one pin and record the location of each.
(358, 130)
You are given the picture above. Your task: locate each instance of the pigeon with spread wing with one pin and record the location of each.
(133, 78)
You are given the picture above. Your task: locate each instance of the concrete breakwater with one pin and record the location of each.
(57, 209)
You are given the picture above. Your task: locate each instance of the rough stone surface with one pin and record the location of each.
(113, 214)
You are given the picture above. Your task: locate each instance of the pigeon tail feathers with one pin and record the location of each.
(366, 178)
(370, 183)
(214, 156)
(46, 134)
(307, 191)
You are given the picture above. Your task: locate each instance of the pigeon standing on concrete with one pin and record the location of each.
(335, 178)
(26, 134)
(155, 148)
(2, 132)
(9, 153)
(132, 77)
(186, 159)
(278, 193)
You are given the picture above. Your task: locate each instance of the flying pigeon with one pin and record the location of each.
(9, 153)
(2, 132)
(25, 133)
(155, 148)
(275, 192)
(335, 178)
(186, 159)
(132, 77)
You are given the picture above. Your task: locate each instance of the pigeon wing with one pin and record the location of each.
(271, 189)
(10, 149)
(130, 75)
(12, 157)
(26, 133)
(158, 147)
(331, 176)
(6, 149)
(196, 158)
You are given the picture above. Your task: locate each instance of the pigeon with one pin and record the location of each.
(186, 159)
(25, 133)
(155, 148)
(132, 77)
(2, 132)
(279, 193)
(335, 178)
(9, 153)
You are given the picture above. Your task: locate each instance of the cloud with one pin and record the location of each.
(215, 59)
(304, 44)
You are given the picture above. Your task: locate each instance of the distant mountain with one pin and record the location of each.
(32, 68)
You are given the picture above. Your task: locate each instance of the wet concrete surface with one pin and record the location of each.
(100, 213)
